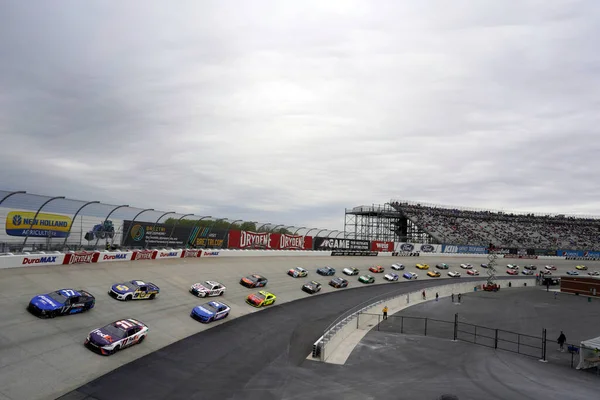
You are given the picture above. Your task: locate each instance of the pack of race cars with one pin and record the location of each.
(127, 332)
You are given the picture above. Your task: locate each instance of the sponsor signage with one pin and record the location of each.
(39, 260)
(110, 257)
(191, 253)
(404, 247)
(578, 253)
(167, 254)
(82, 257)
(269, 241)
(209, 253)
(522, 256)
(144, 234)
(463, 249)
(427, 248)
(143, 255)
(360, 253)
(19, 223)
(382, 246)
(321, 243)
(583, 258)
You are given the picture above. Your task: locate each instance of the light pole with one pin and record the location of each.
(192, 231)
(174, 226)
(73, 220)
(258, 229)
(132, 221)
(322, 230)
(35, 217)
(229, 229)
(275, 227)
(106, 219)
(12, 194)
(154, 226)
(329, 234)
(296, 231)
(309, 231)
(339, 234)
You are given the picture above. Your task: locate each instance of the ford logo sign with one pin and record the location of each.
(427, 248)
(407, 247)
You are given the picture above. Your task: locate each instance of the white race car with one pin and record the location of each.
(512, 266)
(473, 272)
(454, 274)
(550, 267)
(397, 267)
(391, 277)
(116, 336)
(466, 266)
(594, 273)
(207, 288)
(350, 271)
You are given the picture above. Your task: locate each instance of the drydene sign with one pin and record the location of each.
(22, 223)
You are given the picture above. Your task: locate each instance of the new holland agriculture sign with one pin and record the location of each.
(19, 223)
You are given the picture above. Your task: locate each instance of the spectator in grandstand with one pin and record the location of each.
(561, 341)
(385, 311)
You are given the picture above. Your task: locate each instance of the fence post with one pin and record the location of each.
(544, 344)
(455, 326)
(496, 340)
(402, 324)
(378, 321)
(425, 326)
(357, 318)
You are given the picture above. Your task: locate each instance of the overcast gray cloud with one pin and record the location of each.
(291, 111)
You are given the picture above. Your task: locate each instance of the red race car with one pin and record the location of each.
(377, 269)
(472, 272)
(512, 272)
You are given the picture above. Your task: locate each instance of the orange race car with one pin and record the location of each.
(377, 269)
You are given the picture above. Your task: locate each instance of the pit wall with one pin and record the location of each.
(86, 257)
(332, 340)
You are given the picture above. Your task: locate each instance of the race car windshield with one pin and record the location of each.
(114, 331)
(260, 296)
(57, 297)
(210, 307)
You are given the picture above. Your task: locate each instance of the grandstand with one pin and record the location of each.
(404, 221)
(511, 230)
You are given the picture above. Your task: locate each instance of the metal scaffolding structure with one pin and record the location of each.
(383, 223)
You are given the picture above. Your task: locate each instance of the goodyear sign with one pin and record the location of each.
(19, 223)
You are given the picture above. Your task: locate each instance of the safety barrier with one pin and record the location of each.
(87, 257)
(343, 327)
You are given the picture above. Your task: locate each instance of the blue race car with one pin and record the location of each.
(211, 311)
(61, 302)
(409, 275)
(326, 271)
(572, 273)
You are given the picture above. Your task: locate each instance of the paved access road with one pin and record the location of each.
(42, 359)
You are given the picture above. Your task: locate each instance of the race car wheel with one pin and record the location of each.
(128, 297)
(152, 296)
(116, 349)
(221, 294)
(141, 339)
(52, 314)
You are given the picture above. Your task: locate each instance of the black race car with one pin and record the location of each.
(61, 302)
(311, 287)
(530, 267)
(254, 281)
(326, 271)
(338, 283)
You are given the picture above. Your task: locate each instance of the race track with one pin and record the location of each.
(43, 359)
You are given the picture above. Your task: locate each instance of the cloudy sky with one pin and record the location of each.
(291, 111)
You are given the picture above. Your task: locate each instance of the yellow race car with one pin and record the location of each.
(581, 267)
(422, 266)
(433, 274)
(261, 299)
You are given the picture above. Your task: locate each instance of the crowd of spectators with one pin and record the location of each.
(510, 230)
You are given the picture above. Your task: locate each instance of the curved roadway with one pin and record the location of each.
(42, 359)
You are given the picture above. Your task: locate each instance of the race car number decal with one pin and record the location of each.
(68, 292)
(122, 287)
(124, 324)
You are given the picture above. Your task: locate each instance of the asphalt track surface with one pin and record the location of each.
(411, 366)
(43, 359)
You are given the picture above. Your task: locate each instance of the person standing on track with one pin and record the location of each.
(437, 296)
(385, 311)
(453, 297)
(423, 293)
(459, 296)
(561, 341)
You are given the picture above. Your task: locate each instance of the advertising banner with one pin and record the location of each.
(112, 256)
(569, 253)
(521, 256)
(191, 253)
(405, 254)
(463, 249)
(206, 238)
(143, 255)
(45, 259)
(321, 243)
(169, 254)
(401, 247)
(270, 241)
(356, 253)
(382, 246)
(45, 225)
(544, 252)
(210, 253)
(81, 257)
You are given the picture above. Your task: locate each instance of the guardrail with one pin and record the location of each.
(9, 260)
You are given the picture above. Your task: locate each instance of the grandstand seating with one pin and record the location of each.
(527, 231)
